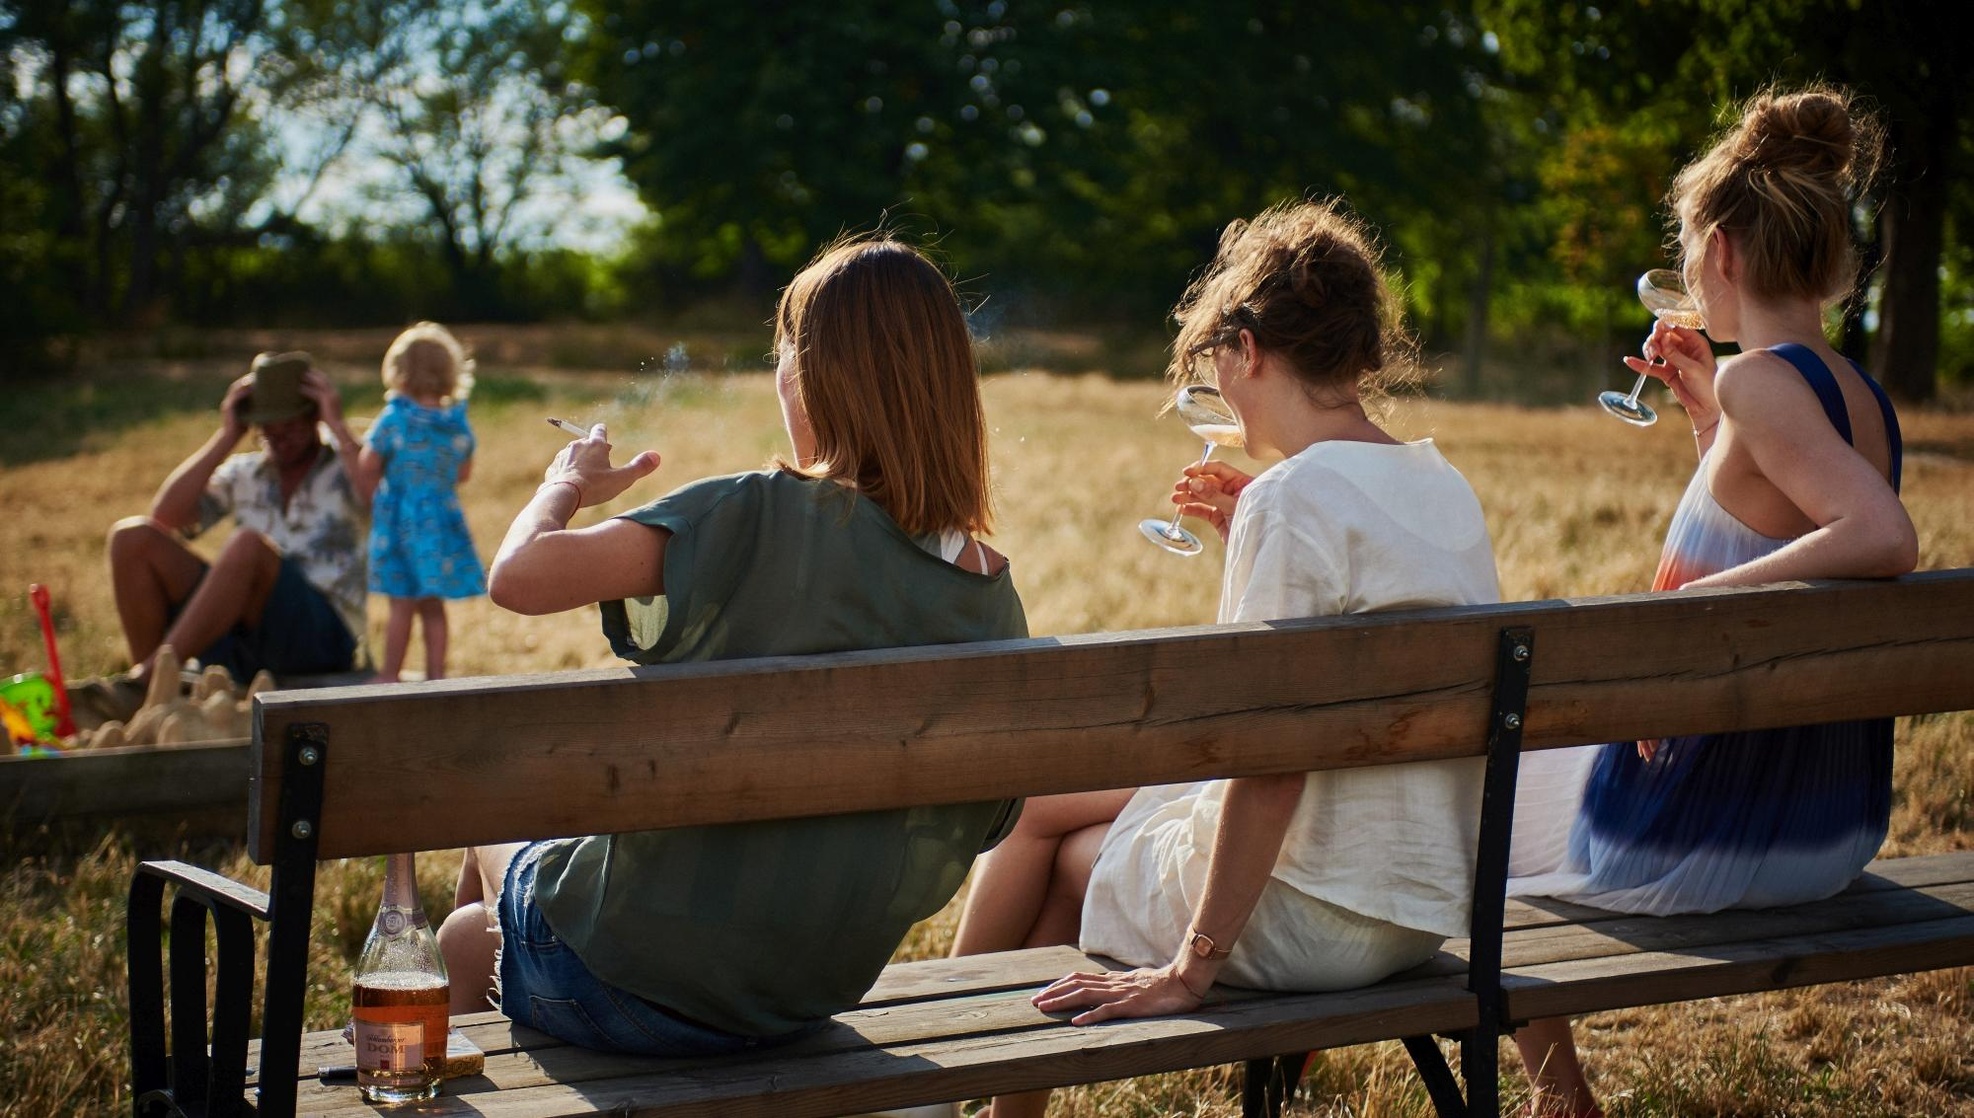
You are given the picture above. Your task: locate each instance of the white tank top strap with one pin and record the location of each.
(952, 541)
(951, 544)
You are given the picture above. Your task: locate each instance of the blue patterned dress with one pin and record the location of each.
(1744, 820)
(419, 545)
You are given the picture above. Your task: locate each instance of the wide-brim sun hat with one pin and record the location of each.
(277, 391)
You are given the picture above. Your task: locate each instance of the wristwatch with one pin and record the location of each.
(1202, 945)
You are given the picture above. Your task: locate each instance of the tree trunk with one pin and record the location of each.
(1855, 339)
(1905, 353)
(1477, 305)
(756, 279)
(148, 170)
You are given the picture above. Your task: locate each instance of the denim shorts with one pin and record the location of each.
(300, 633)
(543, 985)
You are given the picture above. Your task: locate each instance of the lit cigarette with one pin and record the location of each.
(579, 432)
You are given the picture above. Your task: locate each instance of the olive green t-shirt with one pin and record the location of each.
(764, 928)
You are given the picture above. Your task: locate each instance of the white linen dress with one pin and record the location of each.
(1377, 867)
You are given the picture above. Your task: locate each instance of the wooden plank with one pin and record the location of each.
(977, 974)
(943, 979)
(1699, 935)
(1661, 978)
(1883, 873)
(969, 1065)
(179, 781)
(457, 762)
(1613, 960)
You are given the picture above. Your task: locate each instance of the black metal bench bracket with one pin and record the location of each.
(1269, 1084)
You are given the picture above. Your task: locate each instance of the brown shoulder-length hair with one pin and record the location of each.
(884, 369)
(1307, 279)
(1781, 180)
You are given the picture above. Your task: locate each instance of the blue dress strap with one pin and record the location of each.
(1821, 381)
(1894, 443)
(1824, 384)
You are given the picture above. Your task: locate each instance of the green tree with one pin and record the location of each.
(1094, 148)
(475, 115)
(1672, 62)
(141, 124)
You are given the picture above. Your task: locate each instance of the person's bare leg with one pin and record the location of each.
(150, 572)
(432, 619)
(1012, 881)
(235, 591)
(1061, 917)
(397, 638)
(1555, 1074)
(469, 938)
(1060, 920)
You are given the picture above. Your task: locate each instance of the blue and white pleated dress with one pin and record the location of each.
(1712, 821)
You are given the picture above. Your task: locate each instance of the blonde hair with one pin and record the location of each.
(1306, 279)
(884, 369)
(426, 360)
(1781, 181)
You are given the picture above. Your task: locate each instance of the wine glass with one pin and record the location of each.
(1207, 413)
(1663, 291)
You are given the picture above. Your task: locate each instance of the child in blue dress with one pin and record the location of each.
(419, 451)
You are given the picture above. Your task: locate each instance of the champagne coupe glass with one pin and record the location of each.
(1207, 413)
(1663, 291)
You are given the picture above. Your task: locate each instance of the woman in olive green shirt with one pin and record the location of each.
(701, 940)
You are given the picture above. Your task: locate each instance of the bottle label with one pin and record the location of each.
(389, 1045)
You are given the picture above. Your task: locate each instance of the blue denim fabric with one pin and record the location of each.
(300, 633)
(545, 986)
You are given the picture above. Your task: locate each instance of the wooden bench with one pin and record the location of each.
(366, 771)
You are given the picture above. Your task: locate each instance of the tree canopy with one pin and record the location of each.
(271, 161)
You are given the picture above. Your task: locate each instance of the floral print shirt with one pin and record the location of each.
(321, 527)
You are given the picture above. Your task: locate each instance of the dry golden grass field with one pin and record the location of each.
(1577, 503)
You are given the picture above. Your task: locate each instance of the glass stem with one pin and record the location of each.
(1636, 389)
(1172, 529)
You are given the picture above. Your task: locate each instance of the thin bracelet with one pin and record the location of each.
(1698, 431)
(1181, 980)
(577, 486)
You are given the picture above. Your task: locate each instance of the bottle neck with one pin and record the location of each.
(401, 886)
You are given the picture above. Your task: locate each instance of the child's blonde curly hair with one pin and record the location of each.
(426, 360)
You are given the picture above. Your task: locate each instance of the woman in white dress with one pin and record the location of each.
(1317, 881)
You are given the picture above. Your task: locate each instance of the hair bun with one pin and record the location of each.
(1809, 131)
(1306, 279)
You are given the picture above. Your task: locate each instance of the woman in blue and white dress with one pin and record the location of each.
(1798, 478)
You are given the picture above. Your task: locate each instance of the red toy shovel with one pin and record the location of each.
(64, 720)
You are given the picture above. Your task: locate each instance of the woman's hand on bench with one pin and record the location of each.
(1146, 992)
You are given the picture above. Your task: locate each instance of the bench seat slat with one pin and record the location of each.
(922, 980)
(957, 1012)
(1697, 935)
(793, 1082)
(1662, 977)
(1917, 871)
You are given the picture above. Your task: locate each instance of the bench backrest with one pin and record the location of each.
(461, 762)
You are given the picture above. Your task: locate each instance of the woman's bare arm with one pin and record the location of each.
(1253, 822)
(544, 566)
(1862, 531)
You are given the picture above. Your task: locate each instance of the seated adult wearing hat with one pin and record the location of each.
(286, 591)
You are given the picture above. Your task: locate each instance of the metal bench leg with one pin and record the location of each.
(1268, 1085)
(1441, 1087)
(290, 907)
(198, 1076)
